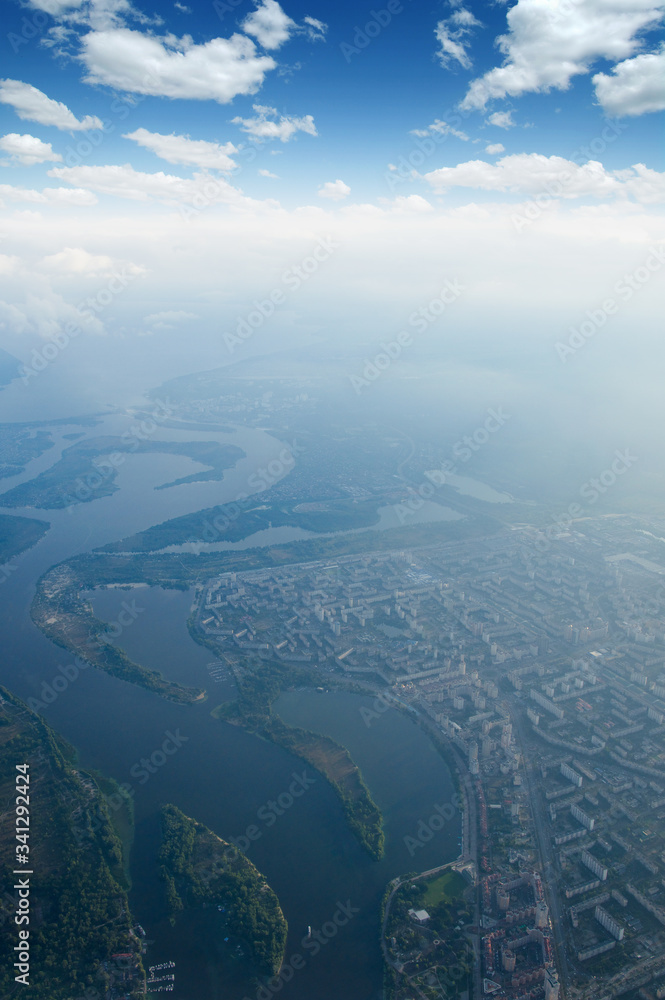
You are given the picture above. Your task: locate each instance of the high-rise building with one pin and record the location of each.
(609, 923)
(573, 776)
(594, 866)
(585, 820)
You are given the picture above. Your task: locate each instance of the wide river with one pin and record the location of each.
(219, 774)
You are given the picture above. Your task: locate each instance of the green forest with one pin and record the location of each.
(79, 914)
(198, 869)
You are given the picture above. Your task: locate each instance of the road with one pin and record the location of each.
(546, 852)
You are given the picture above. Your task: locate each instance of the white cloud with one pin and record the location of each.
(44, 314)
(452, 35)
(79, 262)
(34, 106)
(267, 173)
(502, 119)
(635, 86)
(533, 173)
(264, 125)
(439, 127)
(56, 8)
(494, 148)
(189, 152)
(65, 196)
(97, 14)
(646, 185)
(411, 203)
(217, 70)
(45, 289)
(546, 47)
(27, 150)
(201, 191)
(334, 190)
(316, 30)
(269, 24)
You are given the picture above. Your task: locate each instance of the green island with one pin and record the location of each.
(224, 523)
(87, 470)
(18, 534)
(259, 686)
(198, 868)
(67, 620)
(19, 444)
(79, 914)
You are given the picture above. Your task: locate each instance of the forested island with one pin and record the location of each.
(18, 534)
(232, 522)
(20, 444)
(198, 868)
(79, 914)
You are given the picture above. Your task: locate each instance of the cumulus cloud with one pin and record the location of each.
(45, 314)
(502, 119)
(265, 124)
(27, 150)
(545, 47)
(334, 190)
(494, 148)
(439, 127)
(452, 34)
(33, 105)
(269, 25)
(183, 150)
(634, 87)
(533, 173)
(272, 27)
(168, 66)
(267, 173)
(45, 290)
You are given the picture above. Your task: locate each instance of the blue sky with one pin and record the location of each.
(365, 95)
(204, 148)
